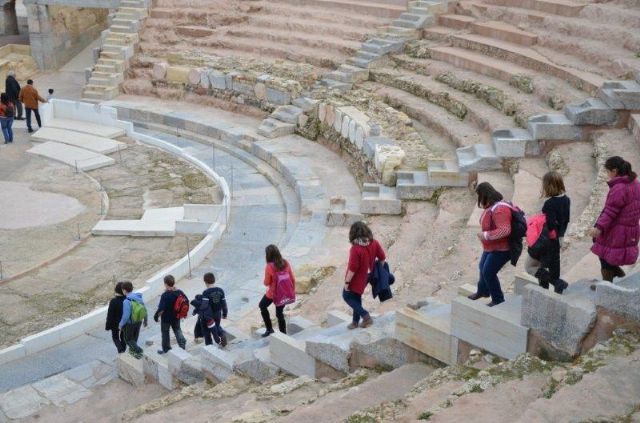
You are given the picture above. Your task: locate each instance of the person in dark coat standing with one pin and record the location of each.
(114, 312)
(12, 89)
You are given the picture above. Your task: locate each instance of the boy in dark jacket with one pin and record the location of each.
(113, 318)
(219, 310)
(128, 323)
(166, 313)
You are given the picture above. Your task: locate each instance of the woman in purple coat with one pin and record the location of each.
(616, 231)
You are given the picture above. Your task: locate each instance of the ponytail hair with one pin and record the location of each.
(621, 166)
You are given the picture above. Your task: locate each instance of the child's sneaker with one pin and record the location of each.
(223, 340)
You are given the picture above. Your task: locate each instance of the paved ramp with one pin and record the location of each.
(73, 156)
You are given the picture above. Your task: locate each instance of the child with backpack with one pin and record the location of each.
(173, 306)
(543, 261)
(114, 312)
(210, 321)
(281, 284)
(7, 113)
(134, 315)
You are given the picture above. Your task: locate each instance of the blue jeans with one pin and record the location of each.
(490, 265)
(7, 130)
(354, 301)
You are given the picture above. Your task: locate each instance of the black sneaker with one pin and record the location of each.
(223, 340)
(266, 333)
(560, 286)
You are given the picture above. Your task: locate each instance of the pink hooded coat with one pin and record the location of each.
(618, 223)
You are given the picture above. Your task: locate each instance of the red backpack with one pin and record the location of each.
(181, 306)
(284, 293)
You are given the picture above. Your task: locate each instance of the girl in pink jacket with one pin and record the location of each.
(616, 231)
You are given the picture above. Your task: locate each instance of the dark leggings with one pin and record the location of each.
(264, 310)
(609, 271)
(117, 336)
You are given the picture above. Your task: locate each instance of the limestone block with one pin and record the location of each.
(379, 199)
(361, 133)
(496, 329)
(297, 324)
(178, 74)
(60, 390)
(370, 144)
(160, 70)
(130, 369)
(302, 120)
(344, 130)
(217, 363)
(428, 330)
(467, 289)
(204, 79)
(387, 159)
(190, 372)
(11, 353)
(337, 122)
(289, 354)
(243, 86)
(322, 112)
(521, 280)
(260, 91)
(414, 185)
(591, 111)
(621, 298)
(305, 103)
(621, 95)
(446, 173)
(217, 80)
(337, 317)
(477, 157)
(330, 118)
(553, 127)
(175, 358)
(278, 97)
(165, 378)
(514, 142)
(150, 364)
(331, 350)
(195, 75)
(339, 215)
(258, 367)
(21, 402)
(272, 128)
(560, 320)
(288, 114)
(352, 131)
(235, 334)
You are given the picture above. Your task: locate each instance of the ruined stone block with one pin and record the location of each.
(446, 173)
(178, 74)
(297, 324)
(621, 297)
(272, 128)
(337, 317)
(553, 127)
(514, 142)
(195, 75)
(414, 185)
(305, 103)
(561, 320)
(130, 369)
(621, 95)
(387, 159)
(477, 157)
(289, 354)
(370, 144)
(216, 363)
(591, 111)
(344, 129)
(159, 70)
(217, 79)
(279, 97)
(258, 367)
(379, 199)
(288, 114)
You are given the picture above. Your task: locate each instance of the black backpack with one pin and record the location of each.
(9, 110)
(518, 231)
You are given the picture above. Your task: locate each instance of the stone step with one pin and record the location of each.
(495, 329)
(554, 7)
(85, 127)
(505, 32)
(361, 8)
(359, 62)
(122, 29)
(409, 33)
(621, 95)
(75, 157)
(553, 126)
(527, 57)
(358, 74)
(380, 199)
(591, 111)
(78, 139)
(435, 7)
(477, 62)
(446, 173)
(287, 114)
(412, 20)
(273, 128)
(438, 33)
(478, 157)
(367, 55)
(135, 228)
(382, 46)
(95, 80)
(137, 11)
(194, 31)
(93, 96)
(456, 21)
(106, 69)
(514, 142)
(414, 185)
(336, 85)
(130, 370)
(428, 330)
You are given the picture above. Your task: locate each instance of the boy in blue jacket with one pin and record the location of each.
(130, 322)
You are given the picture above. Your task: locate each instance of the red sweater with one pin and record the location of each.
(361, 259)
(496, 227)
(270, 278)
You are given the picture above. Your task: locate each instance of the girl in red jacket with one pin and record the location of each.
(363, 254)
(616, 231)
(495, 223)
(275, 263)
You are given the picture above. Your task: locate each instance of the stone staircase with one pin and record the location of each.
(118, 44)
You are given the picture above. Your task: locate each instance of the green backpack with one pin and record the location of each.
(138, 311)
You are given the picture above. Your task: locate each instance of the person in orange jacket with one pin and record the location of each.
(29, 97)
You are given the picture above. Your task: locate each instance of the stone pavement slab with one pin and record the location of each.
(60, 390)
(21, 402)
(73, 156)
(77, 139)
(91, 374)
(85, 127)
